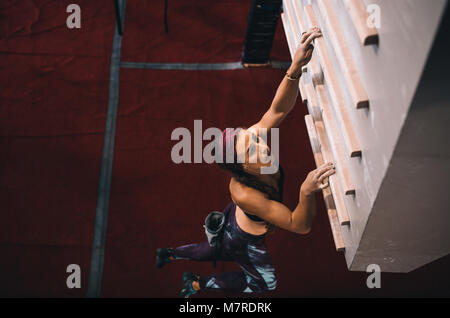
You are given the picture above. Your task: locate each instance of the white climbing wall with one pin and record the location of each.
(361, 90)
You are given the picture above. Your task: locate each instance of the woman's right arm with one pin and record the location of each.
(286, 94)
(301, 218)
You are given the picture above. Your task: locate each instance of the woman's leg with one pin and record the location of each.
(258, 273)
(230, 281)
(259, 270)
(200, 252)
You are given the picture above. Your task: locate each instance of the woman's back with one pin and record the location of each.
(272, 187)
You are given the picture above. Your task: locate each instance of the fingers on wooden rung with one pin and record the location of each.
(291, 46)
(340, 109)
(333, 179)
(318, 139)
(327, 195)
(313, 67)
(357, 10)
(344, 56)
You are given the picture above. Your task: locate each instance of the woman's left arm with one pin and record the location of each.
(287, 91)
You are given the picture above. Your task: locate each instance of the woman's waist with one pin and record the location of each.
(247, 227)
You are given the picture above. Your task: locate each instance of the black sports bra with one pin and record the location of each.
(253, 217)
(279, 199)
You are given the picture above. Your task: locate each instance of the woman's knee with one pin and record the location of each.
(268, 275)
(266, 282)
(271, 282)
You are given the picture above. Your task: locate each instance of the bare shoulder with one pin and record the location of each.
(237, 190)
(241, 194)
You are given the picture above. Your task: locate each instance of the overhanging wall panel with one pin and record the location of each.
(389, 72)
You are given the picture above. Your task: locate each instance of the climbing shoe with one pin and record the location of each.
(162, 256)
(186, 289)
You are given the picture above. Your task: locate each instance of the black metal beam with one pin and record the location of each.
(262, 23)
(118, 17)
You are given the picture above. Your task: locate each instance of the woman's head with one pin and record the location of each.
(250, 150)
(253, 148)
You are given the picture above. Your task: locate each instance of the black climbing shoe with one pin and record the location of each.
(187, 289)
(162, 256)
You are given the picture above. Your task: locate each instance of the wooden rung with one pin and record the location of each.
(313, 105)
(316, 71)
(314, 140)
(327, 195)
(357, 91)
(291, 46)
(334, 182)
(303, 90)
(287, 31)
(339, 203)
(334, 221)
(359, 16)
(332, 131)
(297, 33)
(332, 83)
(297, 10)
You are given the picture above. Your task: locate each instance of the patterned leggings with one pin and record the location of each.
(249, 251)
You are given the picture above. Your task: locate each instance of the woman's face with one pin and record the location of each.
(253, 149)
